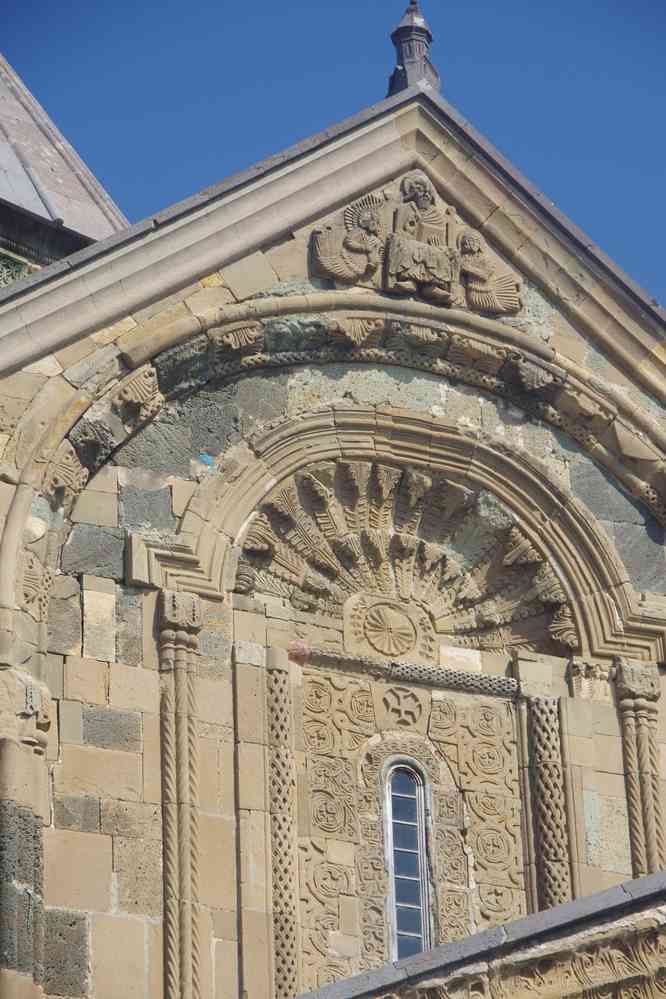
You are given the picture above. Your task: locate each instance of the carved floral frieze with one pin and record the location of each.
(406, 240)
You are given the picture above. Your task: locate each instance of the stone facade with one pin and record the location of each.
(374, 489)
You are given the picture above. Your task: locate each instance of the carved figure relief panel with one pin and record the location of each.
(408, 560)
(406, 240)
(353, 728)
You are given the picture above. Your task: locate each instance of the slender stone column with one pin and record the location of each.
(282, 773)
(549, 802)
(180, 622)
(638, 693)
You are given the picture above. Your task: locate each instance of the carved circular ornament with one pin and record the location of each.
(389, 631)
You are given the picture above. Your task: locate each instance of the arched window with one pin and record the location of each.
(408, 860)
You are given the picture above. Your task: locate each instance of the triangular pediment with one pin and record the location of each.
(265, 214)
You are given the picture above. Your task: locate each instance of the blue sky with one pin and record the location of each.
(164, 99)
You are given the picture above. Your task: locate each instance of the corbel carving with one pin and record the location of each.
(549, 802)
(180, 622)
(638, 692)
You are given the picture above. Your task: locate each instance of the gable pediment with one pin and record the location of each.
(265, 216)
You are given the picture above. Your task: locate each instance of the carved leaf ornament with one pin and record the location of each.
(407, 559)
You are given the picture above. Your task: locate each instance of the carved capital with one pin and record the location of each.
(636, 680)
(180, 611)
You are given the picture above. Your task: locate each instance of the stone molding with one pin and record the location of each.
(180, 622)
(419, 673)
(638, 692)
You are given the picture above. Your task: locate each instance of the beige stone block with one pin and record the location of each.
(208, 775)
(343, 944)
(131, 819)
(77, 870)
(609, 754)
(607, 833)
(252, 776)
(226, 970)
(44, 366)
(463, 659)
(104, 481)
(215, 701)
(584, 718)
(150, 650)
(134, 688)
(75, 352)
(96, 508)
(255, 850)
(247, 277)
(256, 935)
(85, 680)
(249, 627)
(70, 718)
(100, 773)
(582, 752)
(251, 704)
(226, 778)
(155, 961)
(290, 260)
(225, 924)
(212, 297)
(181, 494)
(592, 879)
(218, 862)
(55, 674)
(21, 385)
(341, 853)
(610, 785)
(402, 709)
(53, 744)
(152, 766)
(99, 624)
(349, 915)
(118, 946)
(138, 869)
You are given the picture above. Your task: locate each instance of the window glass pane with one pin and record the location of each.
(404, 782)
(409, 920)
(407, 892)
(405, 809)
(405, 837)
(406, 864)
(408, 946)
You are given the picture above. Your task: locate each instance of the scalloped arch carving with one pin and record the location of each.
(409, 559)
(607, 612)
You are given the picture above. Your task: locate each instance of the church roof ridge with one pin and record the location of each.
(41, 172)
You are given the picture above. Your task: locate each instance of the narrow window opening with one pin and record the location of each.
(409, 883)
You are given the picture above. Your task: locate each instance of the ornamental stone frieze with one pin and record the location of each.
(408, 560)
(406, 240)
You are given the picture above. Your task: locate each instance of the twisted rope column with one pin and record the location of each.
(638, 693)
(550, 807)
(180, 622)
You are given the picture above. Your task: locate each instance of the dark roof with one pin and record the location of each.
(447, 114)
(532, 931)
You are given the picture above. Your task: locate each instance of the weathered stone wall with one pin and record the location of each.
(83, 621)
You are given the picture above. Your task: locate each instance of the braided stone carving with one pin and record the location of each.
(180, 622)
(550, 817)
(282, 776)
(638, 693)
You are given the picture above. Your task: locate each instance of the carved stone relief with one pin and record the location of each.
(407, 559)
(352, 727)
(408, 241)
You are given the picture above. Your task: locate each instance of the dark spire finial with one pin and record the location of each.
(412, 39)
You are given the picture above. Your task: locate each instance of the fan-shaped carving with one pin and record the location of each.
(433, 561)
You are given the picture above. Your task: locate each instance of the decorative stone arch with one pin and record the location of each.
(204, 558)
